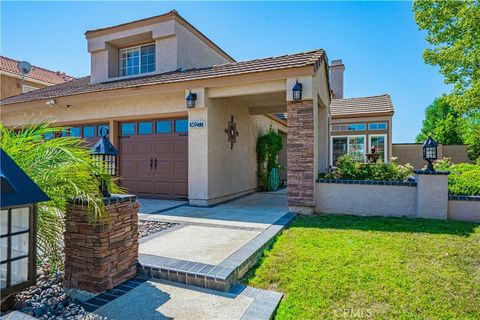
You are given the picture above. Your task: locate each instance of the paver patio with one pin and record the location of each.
(192, 268)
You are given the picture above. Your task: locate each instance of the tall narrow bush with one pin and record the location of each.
(269, 146)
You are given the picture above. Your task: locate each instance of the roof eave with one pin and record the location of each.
(165, 87)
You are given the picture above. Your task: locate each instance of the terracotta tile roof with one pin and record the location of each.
(363, 105)
(82, 85)
(10, 65)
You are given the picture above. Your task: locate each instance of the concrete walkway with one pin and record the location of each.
(192, 269)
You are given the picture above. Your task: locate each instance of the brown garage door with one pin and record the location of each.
(154, 157)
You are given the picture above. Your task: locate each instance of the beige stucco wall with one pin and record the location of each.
(175, 47)
(105, 109)
(11, 86)
(368, 200)
(413, 153)
(464, 210)
(193, 52)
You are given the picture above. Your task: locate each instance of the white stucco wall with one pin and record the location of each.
(432, 196)
(464, 210)
(368, 200)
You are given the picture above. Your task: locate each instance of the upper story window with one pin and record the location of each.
(377, 126)
(136, 60)
(349, 127)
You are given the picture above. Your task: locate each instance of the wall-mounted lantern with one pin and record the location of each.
(104, 152)
(297, 91)
(19, 196)
(430, 152)
(190, 100)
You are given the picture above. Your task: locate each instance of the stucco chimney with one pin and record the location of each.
(336, 78)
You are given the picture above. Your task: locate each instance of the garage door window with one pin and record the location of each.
(164, 126)
(128, 129)
(89, 132)
(145, 127)
(181, 126)
(100, 127)
(75, 132)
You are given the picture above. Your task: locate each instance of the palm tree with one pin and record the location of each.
(63, 169)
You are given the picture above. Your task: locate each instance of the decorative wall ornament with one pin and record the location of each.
(232, 132)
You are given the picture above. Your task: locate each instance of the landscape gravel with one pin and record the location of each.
(49, 300)
(146, 228)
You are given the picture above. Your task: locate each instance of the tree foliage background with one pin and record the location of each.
(453, 32)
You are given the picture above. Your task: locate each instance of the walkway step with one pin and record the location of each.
(169, 300)
(218, 277)
(187, 272)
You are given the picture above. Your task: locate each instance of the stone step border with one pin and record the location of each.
(463, 197)
(102, 299)
(220, 277)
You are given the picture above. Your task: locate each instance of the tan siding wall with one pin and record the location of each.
(413, 153)
(11, 86)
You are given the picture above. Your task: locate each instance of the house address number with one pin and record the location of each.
(197, 124)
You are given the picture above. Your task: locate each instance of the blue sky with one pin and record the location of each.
(379, 42)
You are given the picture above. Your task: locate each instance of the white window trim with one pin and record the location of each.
(348, 144)
(348, 124)
(139, 60)
(385, 156)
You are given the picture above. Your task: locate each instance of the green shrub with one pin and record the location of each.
(348, 168)
(464, 178)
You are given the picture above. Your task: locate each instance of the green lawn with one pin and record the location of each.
(346, 267)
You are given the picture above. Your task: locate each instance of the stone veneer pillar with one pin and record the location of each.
(300, 156)
(99, 257)
(432, 194)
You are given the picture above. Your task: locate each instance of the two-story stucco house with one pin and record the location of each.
(358, 124)
(142, 72)
(13, 82)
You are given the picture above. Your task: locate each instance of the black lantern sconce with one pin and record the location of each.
(297, 91)
(190, 100)
(103, 152)
(19, 196)
(430, 152)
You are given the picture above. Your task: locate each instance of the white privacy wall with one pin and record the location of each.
(428, 198)
(464, 210)
(368, 200)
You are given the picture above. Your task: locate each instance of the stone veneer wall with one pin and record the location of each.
(300, 154)
(99, 257)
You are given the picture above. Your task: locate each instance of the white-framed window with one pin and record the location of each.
(352, 145)
(26, 88)
(137, 60)
(377, 126)
(349, 127)
(379, 141)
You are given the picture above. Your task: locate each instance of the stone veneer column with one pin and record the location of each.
(99, 257)
(432, 194)
(300, 156)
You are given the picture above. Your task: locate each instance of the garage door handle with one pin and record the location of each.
(151, 163)
(155, 163)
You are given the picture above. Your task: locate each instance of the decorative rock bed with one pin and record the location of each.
(49, 300)
(146, 228)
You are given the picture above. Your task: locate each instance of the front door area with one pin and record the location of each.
(154, 157)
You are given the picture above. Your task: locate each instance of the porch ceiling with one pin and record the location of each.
(274, 102)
